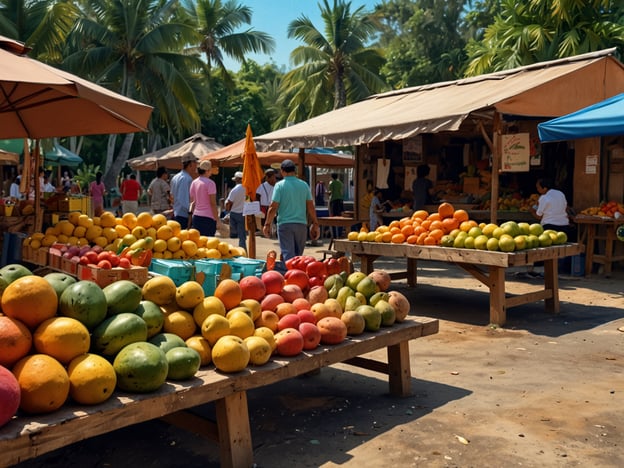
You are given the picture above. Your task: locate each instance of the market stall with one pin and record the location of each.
(25, 438)
(487, 267)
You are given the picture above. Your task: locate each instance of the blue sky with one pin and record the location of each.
(273, 17)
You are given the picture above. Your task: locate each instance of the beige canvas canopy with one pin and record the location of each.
(231, 156)
(545, 89)
(171, 156)
(8, 159)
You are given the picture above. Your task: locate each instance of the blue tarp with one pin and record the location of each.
(604, 118)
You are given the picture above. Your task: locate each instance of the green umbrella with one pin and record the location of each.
(12, 146)
(60, 156)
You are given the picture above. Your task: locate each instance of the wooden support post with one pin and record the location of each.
(399, 372)
(551, 282)
(235, 445)
(498, 306)
(496, 165)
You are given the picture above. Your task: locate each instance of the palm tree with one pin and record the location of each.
(42, 25)
(135, 47)
(217, 23)
(333, 69)
(539, 30)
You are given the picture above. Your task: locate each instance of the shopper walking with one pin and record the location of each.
(159, 192)
(264, 194)
(336, 201)
(180, 190)
(204, 201)
(234, 204)
(97, 190)
(131, 191)
(292, 204)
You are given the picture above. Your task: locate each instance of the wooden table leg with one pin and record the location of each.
(399, 372)
(235, 445)
(498, 306)
(610, 239)
(412, 272)
(589, 249)
(366, 263)
(551, 283)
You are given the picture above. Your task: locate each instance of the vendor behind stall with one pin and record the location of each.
(422, 188)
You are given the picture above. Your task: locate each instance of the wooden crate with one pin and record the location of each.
(138, 275)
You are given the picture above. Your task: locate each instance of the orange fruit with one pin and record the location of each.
(407, 230)
(467, 225)
(395, 230)
(15, 341)
(420, 214)
(386, 236)
(418, 230)
(230, 293)
(445, 210)
(175, 226)
(180, 323)
(436, 234)
(394, 224)
(92, 379)
(434, 217)
(426, 224)
(30, 299)
(63, 338)
(422, 237)
(129, 220)
(412, 239)
(430, 240)
(435, 225)
(461, 216)
(398, 238)
(448, 224)
(44, 383)
(210, 305)
(201, 345)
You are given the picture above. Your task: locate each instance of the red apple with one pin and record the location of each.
(289, 321)
(311, 335)
(306, 316)
(271, 301)
(290, 292)
(252, 287)
(273, 281)
(298, 277)
(288, 342)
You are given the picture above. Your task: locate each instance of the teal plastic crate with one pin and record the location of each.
(248, 266)
(207, 271)
(180, 271)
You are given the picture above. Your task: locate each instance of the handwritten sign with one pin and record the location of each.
(251, 208)
(515, 152)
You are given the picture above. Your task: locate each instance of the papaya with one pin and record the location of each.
(117, 331)
(122, 296)
(140, 367)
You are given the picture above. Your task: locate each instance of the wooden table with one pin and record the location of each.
(487, 267)
(336, 221)
(597, 228)
(30, 436)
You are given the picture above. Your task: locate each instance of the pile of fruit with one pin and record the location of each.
(135, 234)
(611, 209)
(513, 202)
(61, 338)
(453, 228)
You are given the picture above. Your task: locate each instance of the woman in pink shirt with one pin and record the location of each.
(97, 189)
(204, 201)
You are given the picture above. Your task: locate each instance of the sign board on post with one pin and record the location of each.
(515, 152)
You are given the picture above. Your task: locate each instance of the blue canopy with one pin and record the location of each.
(604, 118)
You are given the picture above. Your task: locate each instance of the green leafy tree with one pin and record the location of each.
(217, 23)
(42, 25)
(540, 30)
(424, 40)
(135, 47)
(335, 68)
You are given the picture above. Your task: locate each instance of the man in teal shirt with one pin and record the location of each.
(292, 202)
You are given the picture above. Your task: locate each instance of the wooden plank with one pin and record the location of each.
(498, 305)
(527, 298)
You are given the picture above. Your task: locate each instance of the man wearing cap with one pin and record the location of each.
(234, 204)
(264, 194)
(180, 190)
(292, 201)
(204, 201)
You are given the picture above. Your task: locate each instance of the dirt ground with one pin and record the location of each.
(545, 390)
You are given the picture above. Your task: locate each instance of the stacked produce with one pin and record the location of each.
(453, 228)
(63, 338)
(513, 202)
(134, 235)
(611, 209)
